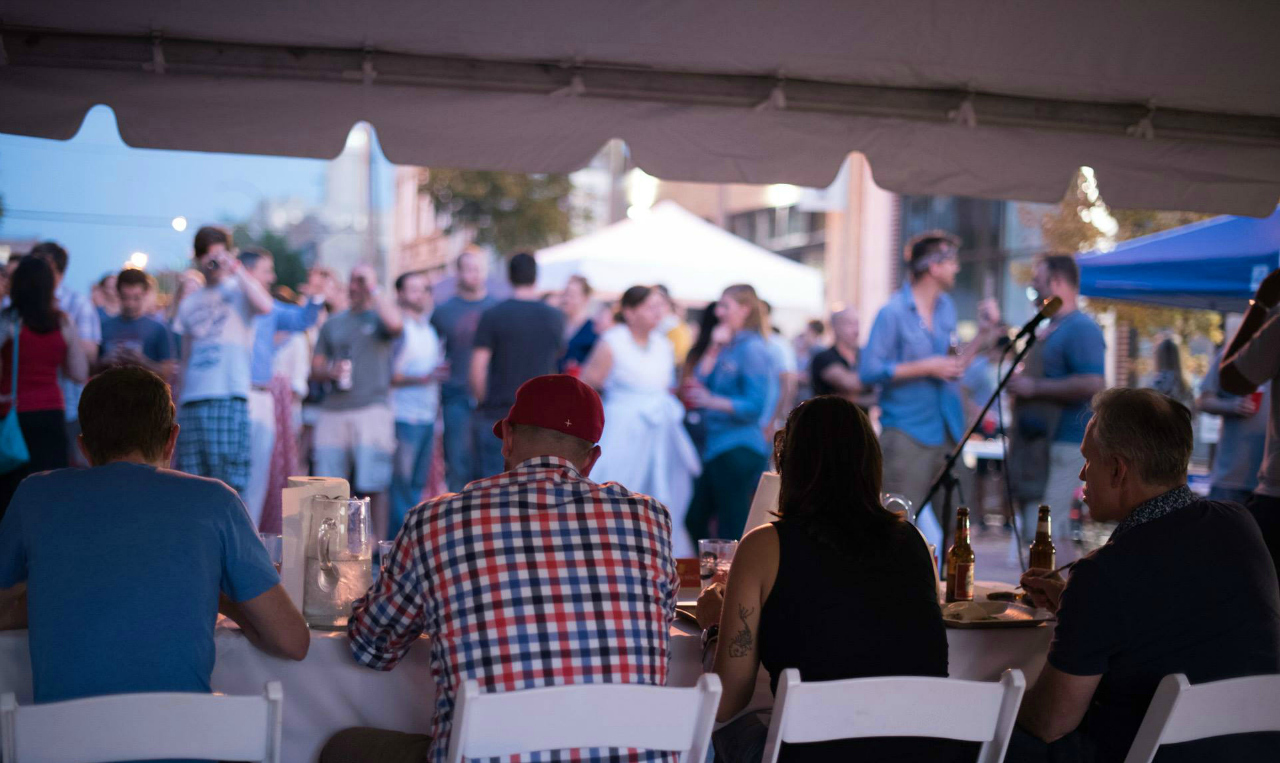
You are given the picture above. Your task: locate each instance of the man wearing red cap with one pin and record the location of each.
(534, 577)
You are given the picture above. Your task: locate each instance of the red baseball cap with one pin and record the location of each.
(558, 402)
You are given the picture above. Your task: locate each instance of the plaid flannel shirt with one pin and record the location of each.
(535, 577)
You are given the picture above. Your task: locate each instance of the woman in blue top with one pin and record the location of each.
(733, 398)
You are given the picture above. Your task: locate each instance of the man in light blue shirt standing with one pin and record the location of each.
(921, 413)
(415, 396)
(260, 266)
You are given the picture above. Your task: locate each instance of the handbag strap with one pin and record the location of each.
(13, 377)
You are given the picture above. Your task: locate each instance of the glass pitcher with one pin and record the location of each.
(898, 504)
(339, 566)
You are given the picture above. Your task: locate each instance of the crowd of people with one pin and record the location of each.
(565, 510)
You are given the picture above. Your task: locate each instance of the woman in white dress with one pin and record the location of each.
(645, 447)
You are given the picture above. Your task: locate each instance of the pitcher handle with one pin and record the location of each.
(327, 528)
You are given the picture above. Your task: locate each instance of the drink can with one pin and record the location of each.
(1256, 397)
(344, 376)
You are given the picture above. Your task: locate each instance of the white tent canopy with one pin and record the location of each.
(1174, 104)
(693, 258)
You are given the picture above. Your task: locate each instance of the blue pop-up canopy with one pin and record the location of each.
(1214, 264)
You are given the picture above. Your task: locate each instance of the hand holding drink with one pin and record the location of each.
(715, 556)
(693, 394)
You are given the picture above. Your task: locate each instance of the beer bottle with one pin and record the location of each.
(1043, 554)
(960, 561)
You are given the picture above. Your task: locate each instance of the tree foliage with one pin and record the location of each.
(508, 211)
(1073, 227)
(290, 270)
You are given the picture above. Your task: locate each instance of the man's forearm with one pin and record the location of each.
(1229, 376)
(477, 379)
(1254, 317)
(913, 369)
(232, 610)
(259, 298)
(1216, 405)
(389, 314)
(13, 608)
(1071, 389)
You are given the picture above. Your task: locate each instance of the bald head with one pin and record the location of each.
(845, 327)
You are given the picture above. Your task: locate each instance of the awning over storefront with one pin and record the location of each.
(1174, 104)
(1213, 264)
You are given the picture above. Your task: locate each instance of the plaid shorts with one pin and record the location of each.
(214, 440)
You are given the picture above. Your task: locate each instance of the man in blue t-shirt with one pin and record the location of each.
(119, 571)
(1073, 358)
(132, 337)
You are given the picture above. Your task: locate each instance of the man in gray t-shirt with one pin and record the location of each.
(1243, 440)
(456, 321)
(355, 427)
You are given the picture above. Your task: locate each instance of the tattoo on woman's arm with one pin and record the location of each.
(741, 644)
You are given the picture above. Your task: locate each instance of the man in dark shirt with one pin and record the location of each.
(517, 339)
(1184, 585)
(834, 371)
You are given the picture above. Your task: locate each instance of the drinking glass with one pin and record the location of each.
(384, 554)
(715, 555)
(275, 547)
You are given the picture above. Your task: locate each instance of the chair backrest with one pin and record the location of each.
(911, 706)
(144, 727)
(585, 715)
(1180, 712)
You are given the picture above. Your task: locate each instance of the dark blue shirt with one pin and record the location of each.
(1183, 586)
(1073, 346)
(579, 347)
(928, 410)
(145, 335)
(123, 565)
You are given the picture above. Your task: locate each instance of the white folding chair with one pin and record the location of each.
(585, 715)
(144, 727)
(900, 706)
(1180, 712)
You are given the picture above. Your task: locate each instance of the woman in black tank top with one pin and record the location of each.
(838, 588)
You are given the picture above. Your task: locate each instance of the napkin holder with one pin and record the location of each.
(765, 503)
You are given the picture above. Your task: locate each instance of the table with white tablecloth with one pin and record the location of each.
(329, 691)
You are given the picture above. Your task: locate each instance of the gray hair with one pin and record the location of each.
(1150, 431)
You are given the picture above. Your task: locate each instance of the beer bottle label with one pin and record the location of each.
(964, 581)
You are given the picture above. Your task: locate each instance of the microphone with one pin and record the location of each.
(1050, 308)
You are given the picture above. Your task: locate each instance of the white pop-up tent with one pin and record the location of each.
(1174, 104)
(693, 258)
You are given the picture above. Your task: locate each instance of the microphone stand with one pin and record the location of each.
(946, 479)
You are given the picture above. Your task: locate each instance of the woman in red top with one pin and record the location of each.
(47, 342)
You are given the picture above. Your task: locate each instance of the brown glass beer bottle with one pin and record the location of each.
(960, 561)
(1043, 555)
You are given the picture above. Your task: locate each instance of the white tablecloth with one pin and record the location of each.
(328, 691)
